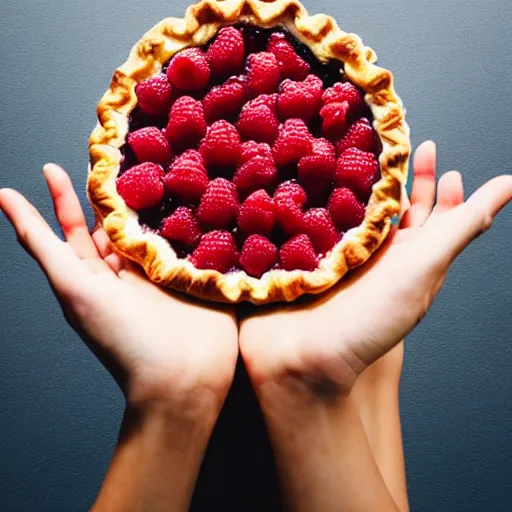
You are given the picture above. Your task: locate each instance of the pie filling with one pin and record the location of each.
(249, 153)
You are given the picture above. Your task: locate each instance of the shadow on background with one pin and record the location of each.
(238, 471)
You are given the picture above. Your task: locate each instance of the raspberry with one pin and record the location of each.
(221, 145)
(227, 52)
(141, 186)
(318, 225)
(262, 73)
(150, 145)
(298, 254)
(300, 100)
(358, 171)
(289, 200)
(361, 136)
(224, 101)
(269, 100)
(315, 171)
(290, 64)
(293, 142)
(187, 177)
(187, 125)
(334, 116)
(319, 166)
(257, 214)
(219, 205)
(258, 123)
(291, 191)
(250, 149)
(154, 95)
(181, 227)
(216, 251)
(258, 256)
(258, 172)
(345, 209)
(188, 156)
(189, 70)
(345, 91)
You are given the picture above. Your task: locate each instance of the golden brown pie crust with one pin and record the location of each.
(327, 41)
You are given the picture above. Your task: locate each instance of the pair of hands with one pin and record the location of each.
(164, 347)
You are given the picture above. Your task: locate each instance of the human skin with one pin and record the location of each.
(328, 396)
(173, 358)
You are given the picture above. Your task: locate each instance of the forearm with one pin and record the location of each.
(156, 461)
(322, 453)
(376, 396)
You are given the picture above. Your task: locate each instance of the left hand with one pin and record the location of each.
(325, 343)
(159, 346)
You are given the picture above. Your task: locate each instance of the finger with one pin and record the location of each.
(69, 212)
(115, 262)
(55, 257)
(423, 186)
(490, 198)
(102, 241)
(466, 222)
(450, 192)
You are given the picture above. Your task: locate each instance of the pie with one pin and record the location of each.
(248, 152)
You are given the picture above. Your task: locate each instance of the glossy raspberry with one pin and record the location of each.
(318, 225)
(289, 199)
(334, 120)
(262, 73)
(226, 54)
(150, 145)
(250, 149)
(258, 123)
(358, 171)
(190, 155)
(293, 142)
(257, 214)
(219, 205)
(181, 226)
(298, 254)
(186, 126)
(216, 251)
(258, 255)
(300, 100)
(290, 64)
(189, 70)
(225, 101)
(258, 172)
(361, 136)
(291, 191)
(315, 171)
(269, 100)
(221, 145)
(187, 178)
(345, 91)
(345, 209)
(141, 186)
(154, 95)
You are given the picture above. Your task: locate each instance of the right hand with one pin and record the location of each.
(324, 343)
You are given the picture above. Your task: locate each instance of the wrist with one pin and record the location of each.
(315, 374)
(184, 404)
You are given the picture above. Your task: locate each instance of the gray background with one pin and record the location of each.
(60, 411)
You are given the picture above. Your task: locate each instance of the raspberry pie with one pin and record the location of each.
(248, 152)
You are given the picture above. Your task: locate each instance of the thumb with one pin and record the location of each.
(56, 258)
(469, 220)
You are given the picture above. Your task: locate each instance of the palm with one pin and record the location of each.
(334, 337)
(142, 333)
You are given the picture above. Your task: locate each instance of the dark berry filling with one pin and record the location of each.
(249, 153)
